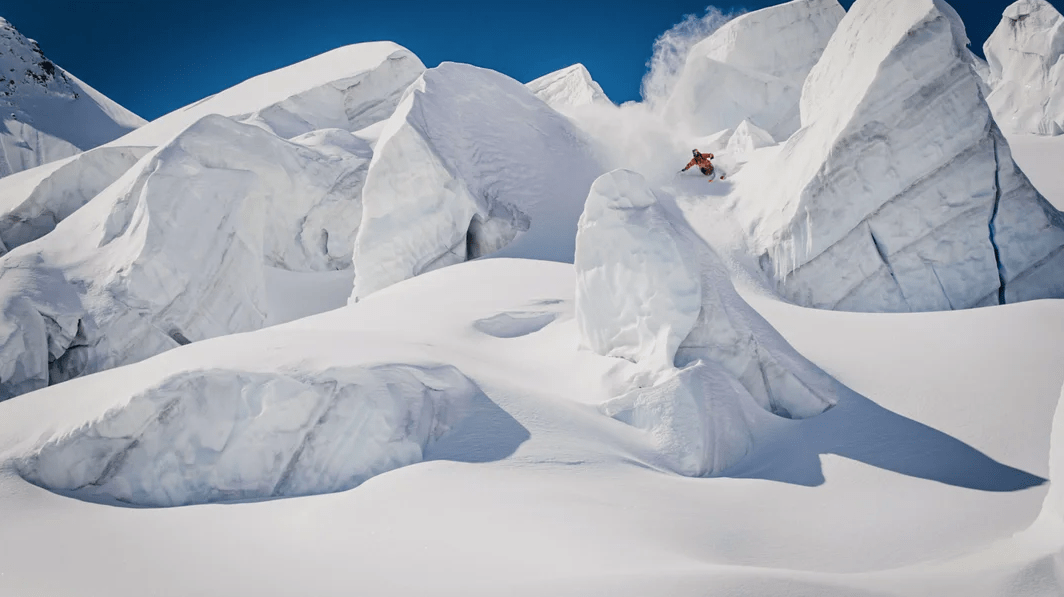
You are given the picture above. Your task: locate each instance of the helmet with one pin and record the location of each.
(694, 152)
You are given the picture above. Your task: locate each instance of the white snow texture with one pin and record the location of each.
(47, 114)
(569, 87)
(470, 162)
(752, 68)
(650, 292)
(899, 193)
(224, 435)
(1025, 56)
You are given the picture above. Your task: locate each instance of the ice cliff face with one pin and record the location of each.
(223, 434)
(170, 253)
(899, 193)
(1026, 69)
(752, 69)
(569, 87)
(46, 113)
(470, 162)
(652, 292)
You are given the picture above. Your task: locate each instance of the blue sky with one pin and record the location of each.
(154, 57)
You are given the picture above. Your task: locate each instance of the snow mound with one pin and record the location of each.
(752, 68)
(651, 292)
(172, 252)
(569, 87)
(347, 88)
(899, 193)
(1054, 504)
(47, 114)
(223, 435)
(1025, 54)
(33, 201)
(470, 162)
(748, 137)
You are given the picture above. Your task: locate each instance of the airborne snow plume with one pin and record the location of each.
(671, 49)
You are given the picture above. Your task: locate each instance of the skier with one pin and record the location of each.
(702, 161)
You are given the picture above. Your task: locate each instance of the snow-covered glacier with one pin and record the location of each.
(899, 193)
(48, 113)
(347, 88)
(170, 253)
(1025, 54)
(1054, 505)
(650, 291)
(222, 434)
(471, 162)
(569, 87)
(752, 68)
(33, 201)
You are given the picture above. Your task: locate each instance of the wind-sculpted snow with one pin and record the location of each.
(32, 202)
(172, 252)
(569, 87)
(1025, 54)
(347, 88)
(47, 113)
(899, 193)
(649, 291)
(222, 435)
(752, 68)
(471, 162)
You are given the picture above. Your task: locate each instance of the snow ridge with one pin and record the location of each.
(48, 114)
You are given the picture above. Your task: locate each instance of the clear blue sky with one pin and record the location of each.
(155, 56)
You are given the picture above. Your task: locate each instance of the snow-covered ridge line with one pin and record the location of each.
(48, 113)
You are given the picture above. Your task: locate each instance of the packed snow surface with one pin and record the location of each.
(534, 490)
(569, 87)
(752, 68)
(471, 162)
(1025, 54)
(899, 193)
(47, 113)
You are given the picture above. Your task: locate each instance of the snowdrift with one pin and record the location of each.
(48, 114)
(470, 162)
(568, 88)
(1054, 506)
(752, 68)
(223, 435)
(1026, 73)
(172, 252)
(32, 202)
(653, 293)
(899, 193)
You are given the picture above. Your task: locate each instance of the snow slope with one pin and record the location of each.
(47, 113)
(471, 162)
(1026, 69)
(752, 68)
(569, 87)
(535, 491)
(899, 193)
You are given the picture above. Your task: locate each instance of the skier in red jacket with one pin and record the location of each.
(702, 161)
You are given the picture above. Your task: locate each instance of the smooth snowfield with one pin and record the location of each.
(536, 491)
(48, 113)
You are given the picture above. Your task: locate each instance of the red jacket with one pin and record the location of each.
(701, 160)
